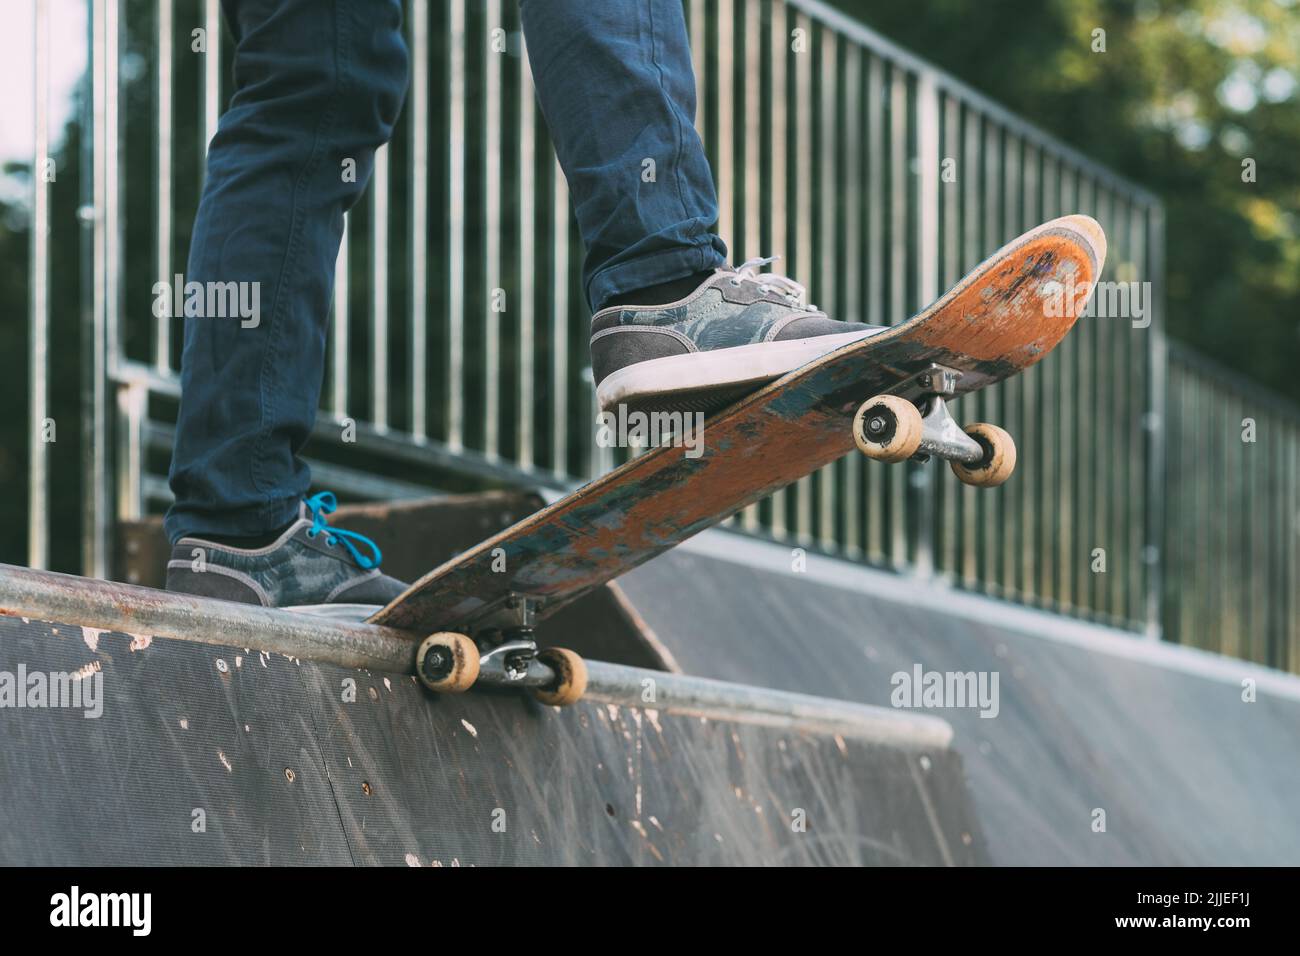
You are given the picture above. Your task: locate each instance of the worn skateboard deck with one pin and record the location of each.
(990, 326)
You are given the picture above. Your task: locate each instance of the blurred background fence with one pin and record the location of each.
(879, 179)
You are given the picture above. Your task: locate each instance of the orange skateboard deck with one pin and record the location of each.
(885, 395)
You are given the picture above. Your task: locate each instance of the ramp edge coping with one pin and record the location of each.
(125, 608)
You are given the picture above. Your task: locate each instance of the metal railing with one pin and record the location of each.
(458, 350)
(1232, 516)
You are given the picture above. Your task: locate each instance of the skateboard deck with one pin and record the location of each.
(991, 325)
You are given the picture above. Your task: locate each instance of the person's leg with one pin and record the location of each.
(318, 87)
(674, 328)
(616, 85)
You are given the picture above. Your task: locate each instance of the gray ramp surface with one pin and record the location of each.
(1157, 737)
(208, 754)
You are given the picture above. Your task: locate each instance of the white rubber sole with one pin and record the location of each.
(717, 370)
(348, 613)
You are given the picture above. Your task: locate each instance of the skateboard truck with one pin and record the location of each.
(911, 420)
(503, 653)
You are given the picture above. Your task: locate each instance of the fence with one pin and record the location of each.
(1232, 546)
(880, 180)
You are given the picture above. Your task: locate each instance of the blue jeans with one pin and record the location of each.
(318, 84)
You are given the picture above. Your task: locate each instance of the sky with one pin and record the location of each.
(67, 39)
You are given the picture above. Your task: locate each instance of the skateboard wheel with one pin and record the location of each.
(887, 428)
(999, 457)
(447, 662)
(572, 671)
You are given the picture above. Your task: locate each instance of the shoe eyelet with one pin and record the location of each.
(311, 534)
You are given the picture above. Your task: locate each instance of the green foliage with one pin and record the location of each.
(1184, 93)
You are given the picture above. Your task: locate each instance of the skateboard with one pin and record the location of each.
(887, 395)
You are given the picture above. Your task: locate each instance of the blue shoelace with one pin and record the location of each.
(325, 503)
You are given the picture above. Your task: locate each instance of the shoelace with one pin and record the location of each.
(325, 503)
(772, 282)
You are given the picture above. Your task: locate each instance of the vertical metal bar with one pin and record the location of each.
(991, 505)
(1292, 526)
(1050, 439)
(93, 373)
(899, 155)
(779, 106)
(802, 261)
(493, 116)
(753, 106)
(971, 191)
(527, 191)
(455, 367)
(832, 198)
(211, 71)
(726, 145)
(927, 287)
(950, 193)
(1120, 508)
(1173, 554)
(38, 317)
(162, 345)
(851, 230)
(379, 290)
(876, 192)
(559, 320)
(341, 340)
(102, 342)
(1158, 360)
(1032, 501)
(131, 407)
(1229, 518)
(873, 474)
(418, 192)
(121, 479)
(1203, 622)
(1199, 563)
(698, 11)
(112, 195)
(724, 165)
(1012, 495)
(1209, 625)
(1085, 429)
(1123, 343)
(1105, 382)
(1069, 563)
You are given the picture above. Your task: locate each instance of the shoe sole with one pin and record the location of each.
(348, 613)
(711, 380)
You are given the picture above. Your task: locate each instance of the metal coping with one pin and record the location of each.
(90, 602)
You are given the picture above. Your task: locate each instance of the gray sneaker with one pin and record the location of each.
(310, 567)
(739, 330)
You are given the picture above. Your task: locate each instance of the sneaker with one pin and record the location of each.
(310, 567)
(739, 330)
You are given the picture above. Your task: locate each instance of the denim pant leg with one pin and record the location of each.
(616, 85)
(318, 87)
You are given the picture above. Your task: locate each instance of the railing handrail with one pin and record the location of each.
(846, 26)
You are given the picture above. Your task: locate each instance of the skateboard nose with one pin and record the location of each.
(1090, 230)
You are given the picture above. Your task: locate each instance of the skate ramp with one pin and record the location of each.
(209, 752)
(1090, 719)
